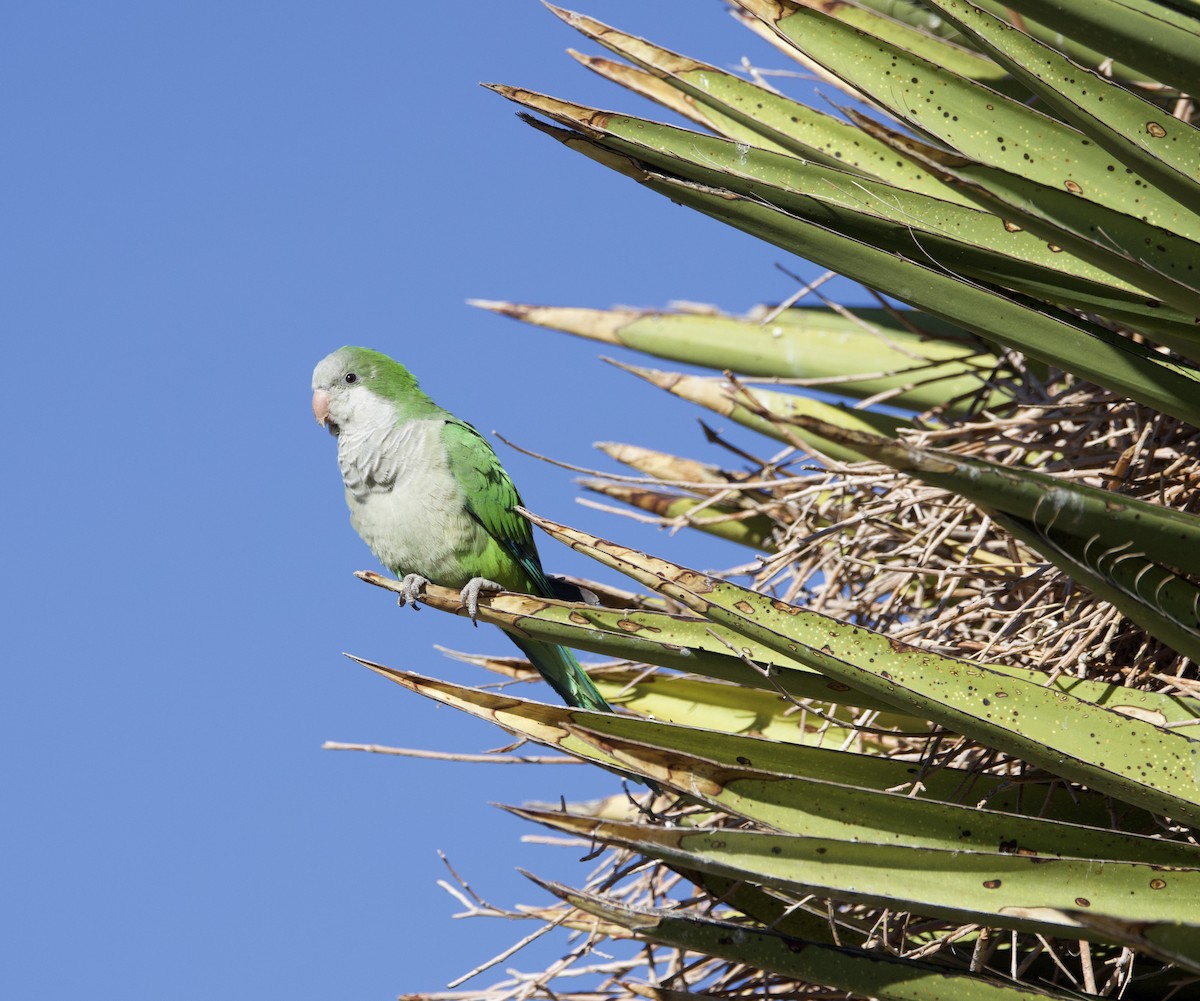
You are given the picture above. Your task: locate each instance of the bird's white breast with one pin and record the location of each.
(405, 502)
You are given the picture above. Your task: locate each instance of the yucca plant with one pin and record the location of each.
(937, 738)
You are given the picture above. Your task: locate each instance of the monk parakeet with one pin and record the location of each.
(428, 495)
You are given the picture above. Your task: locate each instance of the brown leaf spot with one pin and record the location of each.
(745, 607)
(1156, 130)
(629, 626)
(1074, 187)
(991, 884)
(1083, 902)
(697, 582)
(1158, 883)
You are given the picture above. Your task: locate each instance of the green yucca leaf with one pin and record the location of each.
(1023, 893)
(917, 14)
(956, 58)
(1161, 40)
(899, 356)
(656, 89)
(870, 974)
(833, 807)
(683, 643)
(628, 743)
(975, 121)
(1045, 334)
(1084, 55)
(755, 710)
(699, 646)
(771, 412)
(1128, 758)
(971, 241)
(1163, 150)
(1130, 250)
(754, 115)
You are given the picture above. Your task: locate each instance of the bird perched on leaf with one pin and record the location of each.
(428, 495)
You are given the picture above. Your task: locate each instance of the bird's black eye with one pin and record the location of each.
(351, 378)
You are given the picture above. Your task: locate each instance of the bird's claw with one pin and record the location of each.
(411, 587)
(469, 595)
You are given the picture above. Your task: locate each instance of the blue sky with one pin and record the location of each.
(199, 202)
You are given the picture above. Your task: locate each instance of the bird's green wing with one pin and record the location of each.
(491, 499)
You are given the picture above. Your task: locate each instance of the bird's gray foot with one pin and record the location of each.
(469, 595)
(411, 586)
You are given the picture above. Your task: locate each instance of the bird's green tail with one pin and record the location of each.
(559, 667)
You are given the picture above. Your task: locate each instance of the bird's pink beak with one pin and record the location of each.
(321, 406)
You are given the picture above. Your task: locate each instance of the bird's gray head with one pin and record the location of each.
(351, 384)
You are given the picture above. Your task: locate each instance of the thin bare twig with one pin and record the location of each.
(476, 759)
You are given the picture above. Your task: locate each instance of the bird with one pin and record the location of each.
(430, 498)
